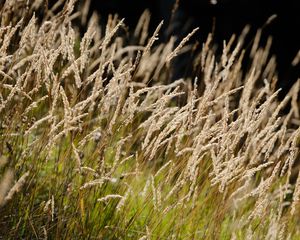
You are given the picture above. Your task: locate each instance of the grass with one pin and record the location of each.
(96, 143)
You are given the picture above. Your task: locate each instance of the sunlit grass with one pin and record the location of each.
(96, 143)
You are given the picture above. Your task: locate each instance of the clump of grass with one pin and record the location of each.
(96, 143)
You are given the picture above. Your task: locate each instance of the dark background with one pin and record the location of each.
(224, 18)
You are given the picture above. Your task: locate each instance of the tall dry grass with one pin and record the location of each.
(96, 143)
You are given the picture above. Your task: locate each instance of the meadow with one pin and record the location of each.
(96, 142)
